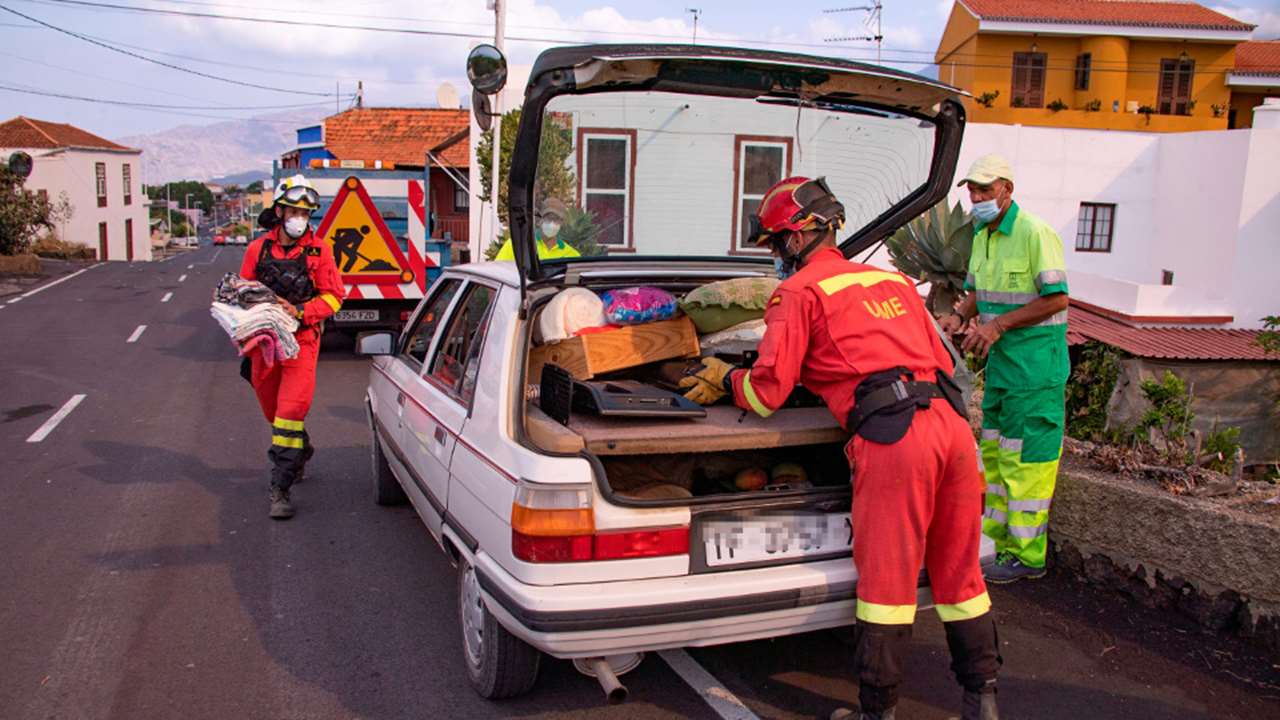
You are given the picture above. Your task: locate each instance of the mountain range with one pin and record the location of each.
(226, 151)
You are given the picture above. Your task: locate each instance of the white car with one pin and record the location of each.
(560, 549)
(241, 240)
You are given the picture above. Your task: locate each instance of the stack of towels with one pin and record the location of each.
(248, 312)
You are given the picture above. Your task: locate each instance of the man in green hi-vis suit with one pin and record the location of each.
(1018, 284)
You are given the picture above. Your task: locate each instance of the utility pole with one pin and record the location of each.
(499, 38)
(874, 13)
(696, 13)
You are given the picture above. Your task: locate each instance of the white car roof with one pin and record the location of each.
(503, 271)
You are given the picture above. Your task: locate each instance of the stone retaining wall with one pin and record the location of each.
(1216, 565)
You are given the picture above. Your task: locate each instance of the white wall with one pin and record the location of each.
(71, 170)
(1204, 205)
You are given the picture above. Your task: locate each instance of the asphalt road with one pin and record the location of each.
(141, 578)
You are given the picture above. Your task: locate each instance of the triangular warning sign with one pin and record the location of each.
(363, 246)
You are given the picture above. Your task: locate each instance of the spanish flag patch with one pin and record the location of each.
(775, 300)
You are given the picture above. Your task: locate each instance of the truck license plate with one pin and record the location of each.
(775, 537)
(356, 316)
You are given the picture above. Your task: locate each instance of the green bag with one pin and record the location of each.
(725, 303)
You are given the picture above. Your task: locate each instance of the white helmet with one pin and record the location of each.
(297, 191)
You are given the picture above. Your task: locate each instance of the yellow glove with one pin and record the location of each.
(707, 385)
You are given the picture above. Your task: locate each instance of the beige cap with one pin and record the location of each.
(553, 207)
(987, 169)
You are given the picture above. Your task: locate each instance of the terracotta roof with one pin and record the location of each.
(1178, 15)
(398, 135)
(25, 132)
(1258, 57)
(1169, 343)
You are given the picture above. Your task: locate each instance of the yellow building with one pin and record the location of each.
(1097, 64)
(1255, 77)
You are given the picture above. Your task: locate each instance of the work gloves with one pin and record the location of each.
(708, 384)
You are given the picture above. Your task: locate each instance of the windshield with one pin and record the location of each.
(663, 174)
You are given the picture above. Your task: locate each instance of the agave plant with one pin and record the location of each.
(935, 248)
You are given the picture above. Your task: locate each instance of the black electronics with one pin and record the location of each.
(628, 398)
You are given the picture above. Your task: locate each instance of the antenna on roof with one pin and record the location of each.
(359, 94)
(696, 13)
(447, 97)
(873, 12)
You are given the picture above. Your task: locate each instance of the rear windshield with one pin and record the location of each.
(662, 174)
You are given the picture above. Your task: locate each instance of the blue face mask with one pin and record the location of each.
(986, 211)
(783, 269)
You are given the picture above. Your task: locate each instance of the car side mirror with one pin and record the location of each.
(375, 343)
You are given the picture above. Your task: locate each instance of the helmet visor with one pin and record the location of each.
(301, 196)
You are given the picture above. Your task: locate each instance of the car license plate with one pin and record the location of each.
(356, 316)
(774, 537)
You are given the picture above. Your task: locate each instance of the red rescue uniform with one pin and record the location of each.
(917, 501)
(285, 389)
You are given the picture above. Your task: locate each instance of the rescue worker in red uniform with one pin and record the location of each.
(861, 339)
(299, 268)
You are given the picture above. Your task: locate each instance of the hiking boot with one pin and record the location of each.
(847, 714)
(1008, 568)
(978, 706)
(281, 508)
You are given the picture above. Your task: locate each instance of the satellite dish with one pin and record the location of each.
(20, 164)
(447, 97)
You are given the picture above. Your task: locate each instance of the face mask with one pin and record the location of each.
(783, 268)
(550, 229)
(295, 226)
(987, 210)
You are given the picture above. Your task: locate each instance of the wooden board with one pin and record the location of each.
(720, 430)
(586, 356)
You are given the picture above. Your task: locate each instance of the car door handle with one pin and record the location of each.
(440, 434)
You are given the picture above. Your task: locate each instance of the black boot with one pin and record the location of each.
(879, 652)
(308, 450)
(979, 705)
(847, 714)
(281, 506)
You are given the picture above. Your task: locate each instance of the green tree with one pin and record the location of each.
(1269, 339)
(935, 247)
(178, 191)
(254, 187)
(554, 178)
(24, 214)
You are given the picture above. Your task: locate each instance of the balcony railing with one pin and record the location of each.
(458, 228)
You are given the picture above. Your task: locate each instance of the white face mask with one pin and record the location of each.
(295, 226)
(550, 228)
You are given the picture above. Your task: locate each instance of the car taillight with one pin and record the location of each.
(404, 315)
(555, 524)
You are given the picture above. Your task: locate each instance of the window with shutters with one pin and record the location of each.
(608, 182)
(100, 180)
(759, 162)
(1084, 64)
(127, 177)
(1094, 227)
(1028, 79)
(1176, 75)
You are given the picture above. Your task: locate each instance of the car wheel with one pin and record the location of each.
(499, 664)
(386, 489)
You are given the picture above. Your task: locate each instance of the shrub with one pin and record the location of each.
(1057, 105)
(1093, 379)
(1169, 416)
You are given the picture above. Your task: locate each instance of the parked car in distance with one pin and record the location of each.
(219, 239)
(598, 538)
(242, 240)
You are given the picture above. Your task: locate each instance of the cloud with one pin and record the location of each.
(1268, 21)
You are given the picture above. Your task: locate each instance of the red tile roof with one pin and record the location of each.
(25, 132)
(1258, 57)
(399, 135)
(1169, 343)
(1178, 15)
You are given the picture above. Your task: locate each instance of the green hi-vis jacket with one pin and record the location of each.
(1020, 261)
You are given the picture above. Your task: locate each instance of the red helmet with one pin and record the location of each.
(795, 204)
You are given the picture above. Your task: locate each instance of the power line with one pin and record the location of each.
(159, 106)
(160, 62)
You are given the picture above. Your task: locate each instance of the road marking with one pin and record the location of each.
(58, 417)
(166, 297)
(191, 266)
(46, 286)
(182, 277)
(137, 334)
(211, 260)
(724, 703)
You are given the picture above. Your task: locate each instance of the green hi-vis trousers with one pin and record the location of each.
(1021, 445)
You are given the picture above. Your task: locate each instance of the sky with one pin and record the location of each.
(216, 68)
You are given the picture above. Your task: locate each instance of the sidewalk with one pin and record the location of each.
(50, 269)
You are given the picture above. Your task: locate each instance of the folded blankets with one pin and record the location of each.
(268, 318)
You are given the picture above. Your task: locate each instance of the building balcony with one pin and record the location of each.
(458, 228)
(1103, 119)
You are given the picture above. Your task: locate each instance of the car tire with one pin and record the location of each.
(499, 664)
(386, 489)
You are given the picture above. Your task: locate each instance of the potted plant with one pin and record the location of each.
(1093, 105)
(1148, 111)
(1057, 105)
(1219, 109)
(987, 99)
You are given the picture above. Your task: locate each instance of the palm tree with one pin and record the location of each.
(935, 248)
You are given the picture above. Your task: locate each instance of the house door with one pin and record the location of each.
(102, 241)
(128, 240)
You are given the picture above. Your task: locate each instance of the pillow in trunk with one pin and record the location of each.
(725, 303)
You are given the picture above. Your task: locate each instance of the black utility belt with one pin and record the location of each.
(886, 402)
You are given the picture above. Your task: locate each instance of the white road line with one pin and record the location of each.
(137, 334)
(46, 286)
(58, 417)
(191, 266)
(166, 297)
(724, 703)
(182, 277)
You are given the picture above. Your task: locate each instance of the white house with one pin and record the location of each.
(1178, 228)
(101, 179)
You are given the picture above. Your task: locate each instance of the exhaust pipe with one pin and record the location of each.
(615, 691)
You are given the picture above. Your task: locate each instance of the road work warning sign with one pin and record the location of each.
(363, 246)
